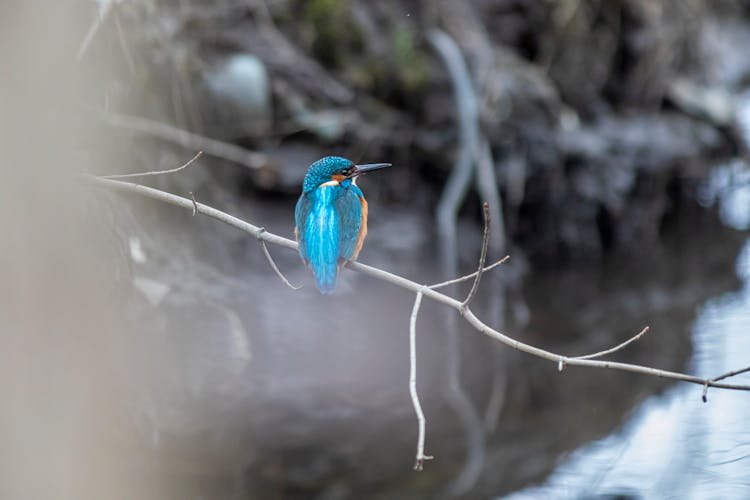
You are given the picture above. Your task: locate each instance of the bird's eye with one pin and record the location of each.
(347, 171)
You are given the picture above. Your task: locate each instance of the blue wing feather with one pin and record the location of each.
(349, 209)
(328, 221)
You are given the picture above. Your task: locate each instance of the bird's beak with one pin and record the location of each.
(361, 169)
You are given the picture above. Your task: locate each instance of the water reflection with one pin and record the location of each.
(729, 188)
(675, 445)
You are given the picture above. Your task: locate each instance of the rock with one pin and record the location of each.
(238, 100)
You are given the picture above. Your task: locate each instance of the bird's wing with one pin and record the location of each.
(318, 234)
(300, 215)
(349, 210)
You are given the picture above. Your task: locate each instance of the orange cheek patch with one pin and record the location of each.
(338, 177)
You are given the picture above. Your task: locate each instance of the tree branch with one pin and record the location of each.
(421, 457)
(732, 373)
(104, 10)
(187, 139)
(275, 267)
(155, 172)
(468, 276)
(617, 347)
(412, 286)
(482, 255)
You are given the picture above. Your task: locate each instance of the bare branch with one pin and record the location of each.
(155, 172)
(187, 204)
(732, 373)
(487, 187)
(124, 44)
(195, 203)
(421, 457)
(616, 348)
(413, 286)
(104, 10)
(187, 139)
(274, 266)
(482, 255)
(468, 276)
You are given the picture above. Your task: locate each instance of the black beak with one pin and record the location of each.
(361, 169)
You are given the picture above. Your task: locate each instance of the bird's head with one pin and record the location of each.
(335, 170)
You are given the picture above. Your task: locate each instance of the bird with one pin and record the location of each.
(331, 217)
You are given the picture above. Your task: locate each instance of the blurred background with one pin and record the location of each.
(147, 353)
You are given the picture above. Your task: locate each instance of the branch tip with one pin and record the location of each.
(731, 374)
(468, 276)
(155, 172)
(195, 203)
(617, 347)
(274, 266)
(482, 255)
(421, 421)
(419, 463)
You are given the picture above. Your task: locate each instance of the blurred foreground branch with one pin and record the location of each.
(430, 292)
(184, 138)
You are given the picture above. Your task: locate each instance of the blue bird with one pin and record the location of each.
(331, 217)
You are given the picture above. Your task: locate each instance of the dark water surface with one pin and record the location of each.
(673, 445)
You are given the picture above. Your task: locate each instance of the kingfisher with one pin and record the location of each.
(331, 217)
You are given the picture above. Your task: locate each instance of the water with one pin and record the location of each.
(674, 445)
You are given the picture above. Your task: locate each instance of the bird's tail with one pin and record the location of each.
(321, 241)
(325, 277)
(322, 253)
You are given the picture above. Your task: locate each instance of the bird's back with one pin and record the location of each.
(329, 230)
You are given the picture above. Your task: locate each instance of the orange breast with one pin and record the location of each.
(362, 229)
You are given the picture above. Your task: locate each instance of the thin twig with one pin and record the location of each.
(732, 373)
(468, 276)
(482, 255)
(187, 139)
(155, 172)
(274, 266)
(124, 45)
(101, 16)
(617, 347)
(195, 203)
(421, 457)
(413, 286)
(486, 186)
